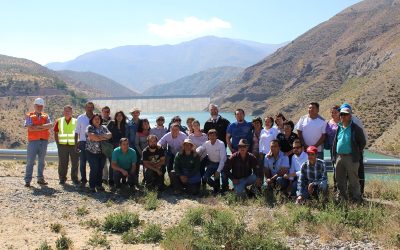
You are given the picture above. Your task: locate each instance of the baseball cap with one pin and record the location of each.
(345, 111)
(345, 105)
(39, 101)
(312, 149)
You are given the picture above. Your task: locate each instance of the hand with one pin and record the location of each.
(124, 172)
(269, 182)
(183, 179)
(235, 181)
(216, 175)
(299, 200)
(159, 172)
(310, 188)
(286, 176)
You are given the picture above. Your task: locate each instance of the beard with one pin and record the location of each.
(153, 146)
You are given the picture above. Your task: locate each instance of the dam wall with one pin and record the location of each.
(153, 104)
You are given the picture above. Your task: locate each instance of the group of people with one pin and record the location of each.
(274, 153)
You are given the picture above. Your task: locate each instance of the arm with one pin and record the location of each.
(321, 140)
(324, 178)
(115, 167)
(300, 134)
(229, 143)
(177, 165)
(137, 144)
(222, 157)
(227, 168)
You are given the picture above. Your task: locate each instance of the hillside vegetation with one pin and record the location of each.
(201, 83)
(353, 57)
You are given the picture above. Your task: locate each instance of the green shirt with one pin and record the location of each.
(124, 160)
(344, 139)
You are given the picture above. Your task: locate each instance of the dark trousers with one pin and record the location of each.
(190, 188)
(153, 180)
(82, 160)
(361, 173)
(118, 176)
(96, 164)
(65, 153)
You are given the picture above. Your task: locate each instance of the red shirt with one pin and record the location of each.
(56, 125)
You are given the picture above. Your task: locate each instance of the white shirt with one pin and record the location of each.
(81, 126)
(312, 130)
(297, 161)
(174, 144)
(266, 136)
(215, 153)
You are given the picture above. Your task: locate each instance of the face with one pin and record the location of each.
(312, 110)
(160, 122)
(189, 123)
(96, 121)
(288, 129)
(212, 137)
(242, 149)
(196, 126)
(268, 123)
(136, 114)
(297, 148)
(257, 125)
(345, 118)
(105, 113)
(124, 146)
(239, 116)
(119, 117)
(312, 157)
(279, 121)
(89, 108)
(335, 113)
(175, 131)
(187, 147)
(274, 147)
(152, 142)
(213, 111)
(38, 108)
(146, 126)
(67, 112)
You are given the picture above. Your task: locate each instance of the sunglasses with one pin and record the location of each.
(344, 114)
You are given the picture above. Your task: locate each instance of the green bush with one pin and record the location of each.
(151, 234)
(195, 216)
(55, 227)
(120, 222)
(259, 242)
(130, 237)
(82, 211)
(223, 226)
(92, 223)
(151, 201)
(98, 239)
(44, 246)
(180, 236)
(64, 243)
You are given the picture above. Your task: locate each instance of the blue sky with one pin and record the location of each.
(50, 30)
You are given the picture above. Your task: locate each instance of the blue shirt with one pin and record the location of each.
(240, 131)
(344, 139)
(124, 160)
(274, 165)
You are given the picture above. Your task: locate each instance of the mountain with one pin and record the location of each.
(142, 66)
(21, 81)
(95, 84)
(353, 57)
(197, 84)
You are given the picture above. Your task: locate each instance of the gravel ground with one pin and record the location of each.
(27, 213)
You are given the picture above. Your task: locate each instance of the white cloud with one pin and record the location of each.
(188, 27)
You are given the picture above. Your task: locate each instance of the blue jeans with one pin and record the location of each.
(294, 187)
(317, 190)
(284, 183)
(96, 164)
(82, 160)
(243, 183)
(39, 148)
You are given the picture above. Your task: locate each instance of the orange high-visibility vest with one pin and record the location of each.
(37, 135)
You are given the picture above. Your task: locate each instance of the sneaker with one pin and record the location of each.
(42, 182)
(27, 184)
(83, 184)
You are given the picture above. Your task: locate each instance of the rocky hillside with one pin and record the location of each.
(352, 57)
(95, 84)
(142, 66)
(197, 84)
(21, 81)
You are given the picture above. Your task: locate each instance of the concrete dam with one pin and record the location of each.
(153, 104)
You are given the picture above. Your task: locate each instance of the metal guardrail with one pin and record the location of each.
(372, 166)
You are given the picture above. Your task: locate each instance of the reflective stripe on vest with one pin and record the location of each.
(66, 132)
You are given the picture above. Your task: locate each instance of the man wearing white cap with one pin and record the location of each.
(38, 124)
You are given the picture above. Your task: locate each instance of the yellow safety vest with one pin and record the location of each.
(66, 132)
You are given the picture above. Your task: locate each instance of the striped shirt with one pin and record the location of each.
(312, 174)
